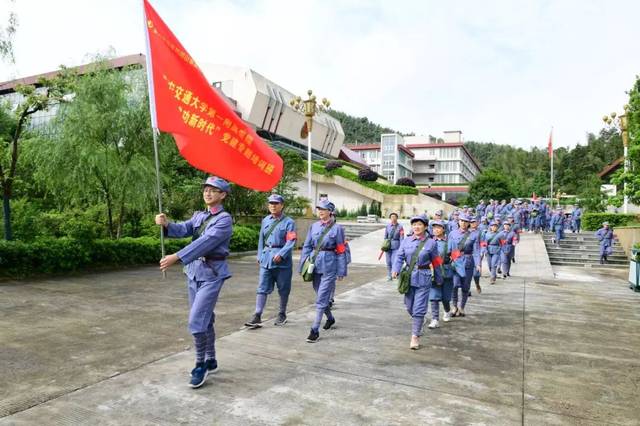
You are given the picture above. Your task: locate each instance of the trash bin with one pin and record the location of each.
(634, 270)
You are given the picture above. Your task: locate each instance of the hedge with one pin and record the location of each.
(385, 189)
(593, 221)
(60, 255)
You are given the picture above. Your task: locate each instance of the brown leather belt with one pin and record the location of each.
(424, 266)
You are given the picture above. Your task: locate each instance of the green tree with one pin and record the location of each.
(101, 150)
(490, 184)
(632, 177)
(243, 201)
(14, 120)
(359, 129)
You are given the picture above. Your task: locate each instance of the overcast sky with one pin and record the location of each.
(500, 71)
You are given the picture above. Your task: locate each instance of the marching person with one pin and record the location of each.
(605, 237)
(441, 293)
(464, 250)
(557, 225)
(393, 233)
(275, 244)
(206, 269)
(508, 241)
(453, 222)
(474, 229)
(576, 219)
(419, 254)
(517, 230)
(437, 215)
(491, 241)
(325, 249)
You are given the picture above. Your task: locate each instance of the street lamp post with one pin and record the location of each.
(309, 108)
(620, 121)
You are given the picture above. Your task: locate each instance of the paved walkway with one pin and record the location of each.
(532, 350)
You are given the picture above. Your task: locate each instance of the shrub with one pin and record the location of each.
(367, 175)
(61, 255)
(332, 165)
(405, 181)
(593, 221)
(386, 189)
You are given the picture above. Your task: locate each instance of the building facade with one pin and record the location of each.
(442, 161)
(390, 158)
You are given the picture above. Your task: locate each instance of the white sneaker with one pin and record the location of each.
(446, 317)
(434, 324)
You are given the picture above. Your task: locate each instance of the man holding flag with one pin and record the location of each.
(212, 138)
(206, 269)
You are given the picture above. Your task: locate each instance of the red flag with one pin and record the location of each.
(550, 145)
(209, 134)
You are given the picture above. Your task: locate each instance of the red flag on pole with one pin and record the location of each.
(550, 145)
(209, 134)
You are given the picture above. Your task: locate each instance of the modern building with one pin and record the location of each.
(265, 106)
(390, 158)
(441, 167)
(260, 102)
(442, 161)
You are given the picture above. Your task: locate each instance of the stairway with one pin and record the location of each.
(582, 249)
(354, 230)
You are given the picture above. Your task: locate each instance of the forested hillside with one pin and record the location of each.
(527, 170)
(359, 129)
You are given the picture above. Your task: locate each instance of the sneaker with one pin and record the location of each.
(313, 337)
(198, 375)
(328, 323)
(415, 343)
(504, 276)
(461, 312)
(255, 322)
(446, 317)
(281, 320)
(434, 324)
(212, 365)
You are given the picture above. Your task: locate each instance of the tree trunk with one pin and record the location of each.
(110, 218)
(6, 208)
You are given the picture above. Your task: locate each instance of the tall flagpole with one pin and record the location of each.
(154, 128)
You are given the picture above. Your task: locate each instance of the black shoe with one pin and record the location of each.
(508, 274)
(313, 336)
(504, 276)
(281, 320)
(255, 322)
(328, 323)
(513, 260)
(212, 365)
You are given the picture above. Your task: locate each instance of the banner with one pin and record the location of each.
(208, 132)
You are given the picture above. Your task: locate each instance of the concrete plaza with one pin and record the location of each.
(112, 349)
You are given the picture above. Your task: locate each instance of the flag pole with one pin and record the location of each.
(154, 128)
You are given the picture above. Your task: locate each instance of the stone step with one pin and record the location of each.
(593, 259)
(553, 249)
(353, 231)
(580, 246)
(589, 265)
